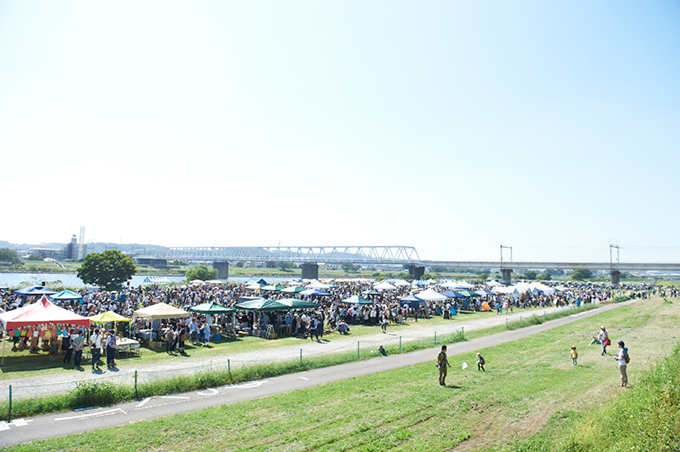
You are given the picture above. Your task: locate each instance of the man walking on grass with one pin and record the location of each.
(442, 365)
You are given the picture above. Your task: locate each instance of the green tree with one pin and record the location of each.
(8, 255)
(530, 274)
(202, 272)
(483, 277)
(285, 266)
(555, 271)
(580, 274)
(351, 268)
(34, 257)
(544, 277)
(108, 270)
(239, 264)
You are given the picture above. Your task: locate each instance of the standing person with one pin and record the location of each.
(313, 325)
(623, 360)
(480, 362)
(574, 355)
(96, 348)
(182, 338)
(67, 344)
(206, 332)
(111, 349)
(603, 338)
(193, 327)
(384, 323)
(442, 365)
(78, 343)
(169, 340)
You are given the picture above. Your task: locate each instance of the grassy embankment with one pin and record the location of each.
(104, 393)
(530, 398)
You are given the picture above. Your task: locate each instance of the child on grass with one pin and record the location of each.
(574, 355)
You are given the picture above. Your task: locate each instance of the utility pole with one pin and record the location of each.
(615, 273)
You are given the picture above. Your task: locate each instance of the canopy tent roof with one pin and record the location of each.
(261, 305)
(108, 316)
(272, 288)
(42, 311)
(458, 285)
(292, 289)
(294, 303)
(34, 291)
(260, 281)
(317, 285)
(157, 280)
(357, 299)
(211, 308)
(311, 292)
(384, 286)
(452, 294)
(402, 283)
(160, 311)
(371, 293)
(66, 295)
(484, 292)
(412, 301)
(430, 295)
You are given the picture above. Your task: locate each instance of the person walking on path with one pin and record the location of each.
(480, 362)
(96, 348)
(384, 323)
(574, 355)
(623, 360)
(442, 365)
(111, 349)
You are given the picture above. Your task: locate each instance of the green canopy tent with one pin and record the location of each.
(357, 299)
(292, 289)
(272, 288)
(212, 308)
(294, 303)
(262, 305)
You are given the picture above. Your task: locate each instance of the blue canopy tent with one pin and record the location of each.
(412, 301)
(34, 291)
(66, 295)
(452, 294)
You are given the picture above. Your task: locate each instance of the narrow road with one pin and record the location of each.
(61, 424)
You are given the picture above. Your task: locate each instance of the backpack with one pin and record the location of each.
(625, 356)
(66, 342)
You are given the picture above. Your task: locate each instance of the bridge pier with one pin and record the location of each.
(507, 278)
(416, 271)
(222, 269)
(616, 277)
(310, 271)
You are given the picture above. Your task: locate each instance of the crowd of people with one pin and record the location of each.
(331, 314)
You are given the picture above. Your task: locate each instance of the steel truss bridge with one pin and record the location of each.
(299, 254)
(374, 255)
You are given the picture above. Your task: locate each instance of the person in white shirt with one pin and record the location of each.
(96, 348)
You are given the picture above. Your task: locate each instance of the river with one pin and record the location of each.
(71, 280)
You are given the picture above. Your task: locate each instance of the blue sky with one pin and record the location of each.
(453, 127)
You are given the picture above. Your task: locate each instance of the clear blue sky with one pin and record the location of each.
(452, 126)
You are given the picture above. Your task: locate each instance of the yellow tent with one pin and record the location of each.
(486, 307)
(160, 311)
(108, 316)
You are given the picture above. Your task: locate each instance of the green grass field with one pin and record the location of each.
(529, 384)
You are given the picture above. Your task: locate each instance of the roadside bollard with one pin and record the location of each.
(435, 338)
(136, 391)
(399, 343)
(229, 368)
(9, 416)
(358, 355)
(300, 356)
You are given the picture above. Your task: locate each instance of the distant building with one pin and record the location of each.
(54, 253)
(70, 251)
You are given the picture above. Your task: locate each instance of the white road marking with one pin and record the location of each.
(143, 402)
(21, 422)
(83, 416)
(252, 384)
(4, 426)
(304, 378)
(214, 391)
(174, 397)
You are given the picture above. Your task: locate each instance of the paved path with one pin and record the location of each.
(58, 384)
(61, 424)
